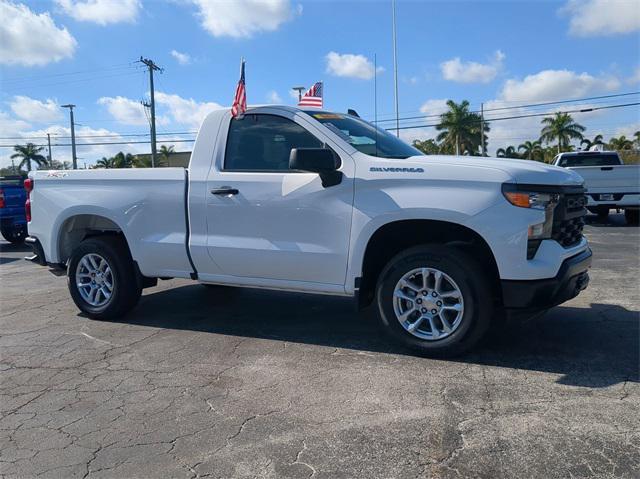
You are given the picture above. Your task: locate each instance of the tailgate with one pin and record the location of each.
(14, 199)
(610, 179)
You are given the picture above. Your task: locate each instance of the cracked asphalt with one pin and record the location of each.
(202, 382)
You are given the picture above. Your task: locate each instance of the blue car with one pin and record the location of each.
(13, 218)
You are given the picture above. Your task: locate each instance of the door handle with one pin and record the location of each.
(224, 191)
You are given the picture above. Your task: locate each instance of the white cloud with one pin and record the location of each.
(125, 110)
(434, 107)
(472, 72)
(88, 154)
(635, 78)
(35, 111)
(186, 111)
(627, 130)
(12, 126)
(550, 85)
(181, 58)
(244, 18)
(28, 38)
(350, 66)
(102, 12)
(273, 97)
(602, 17)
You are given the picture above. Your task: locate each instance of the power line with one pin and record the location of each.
(584, 110)
(111, 143)
(530, 105)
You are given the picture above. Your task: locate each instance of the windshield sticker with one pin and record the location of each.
(327, 116)
(396, 170)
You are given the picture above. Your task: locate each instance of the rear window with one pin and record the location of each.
(11, 181)
(598, 159)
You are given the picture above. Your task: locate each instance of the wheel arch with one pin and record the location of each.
(75, 228)
(393, 237)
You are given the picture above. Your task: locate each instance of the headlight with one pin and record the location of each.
(531, 199)
(523, 197)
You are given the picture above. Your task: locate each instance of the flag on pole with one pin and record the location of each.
(240, 100)
(313, 96)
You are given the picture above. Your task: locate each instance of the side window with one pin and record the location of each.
(264, 142)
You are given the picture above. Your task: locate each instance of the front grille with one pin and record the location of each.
(569, 219)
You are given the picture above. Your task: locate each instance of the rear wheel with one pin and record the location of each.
(102, 278)
(434, 299)
(632, 216)
(15, 236)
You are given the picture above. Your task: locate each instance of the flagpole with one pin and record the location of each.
(395, 66)
(375, 89)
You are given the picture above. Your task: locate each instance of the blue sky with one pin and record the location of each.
(501, 53)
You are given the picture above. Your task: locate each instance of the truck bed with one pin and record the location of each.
(147, 205)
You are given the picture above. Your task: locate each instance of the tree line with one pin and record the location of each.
(459, 133)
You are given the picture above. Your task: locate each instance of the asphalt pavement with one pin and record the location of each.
(221, 382)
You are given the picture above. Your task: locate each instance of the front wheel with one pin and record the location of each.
(102, 278)
(15, 236)
(435, 300)
(632, 216)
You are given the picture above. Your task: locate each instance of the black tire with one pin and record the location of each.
(126, 287)
(14, 236)
(601, 211)
(632, 216)
(472, 282)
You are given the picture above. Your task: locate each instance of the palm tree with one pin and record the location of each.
(636, 140)
(105, 163)
(460, 128)
(597, 140)
(428, 147)
(532, 150)
(620, 143)
(561, 127)
(165, 153)
(120, 160)
(508, 152)
(28, 153)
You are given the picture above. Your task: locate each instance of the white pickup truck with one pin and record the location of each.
(610, 184)
(325, 203)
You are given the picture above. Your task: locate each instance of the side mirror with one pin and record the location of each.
(317, 160)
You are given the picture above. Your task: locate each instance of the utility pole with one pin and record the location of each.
(73, 135)
(299, 89)
(395, 67)
(152, 67)
(49, 143)
(484, 151)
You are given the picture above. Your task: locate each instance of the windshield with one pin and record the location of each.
(597, 159)
(364, 136)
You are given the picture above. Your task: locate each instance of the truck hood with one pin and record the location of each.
(521, 171)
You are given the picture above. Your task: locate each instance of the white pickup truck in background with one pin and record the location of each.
(325, 203)
(610, 184)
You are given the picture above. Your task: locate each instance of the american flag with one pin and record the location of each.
(240, 100)
(313, 96)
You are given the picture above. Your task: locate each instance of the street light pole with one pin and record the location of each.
(484, 151)
(395, 66)
(73, 135)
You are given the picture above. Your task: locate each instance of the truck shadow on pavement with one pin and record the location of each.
(589, 347)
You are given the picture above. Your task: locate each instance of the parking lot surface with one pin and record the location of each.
(220, 382)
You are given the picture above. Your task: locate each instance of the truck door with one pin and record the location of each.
(269, 225)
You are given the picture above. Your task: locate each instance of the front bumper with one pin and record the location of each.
(542, 294)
